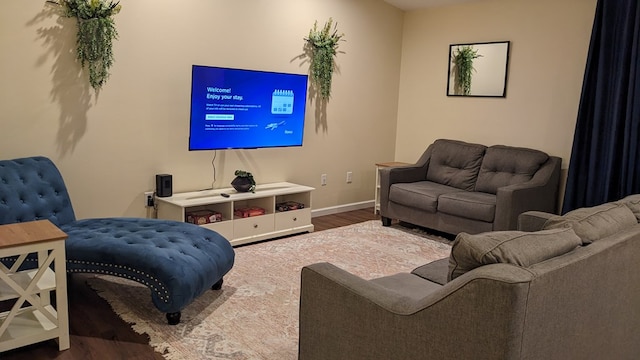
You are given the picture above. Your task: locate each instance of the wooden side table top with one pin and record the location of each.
(30, 232)
(391, 163)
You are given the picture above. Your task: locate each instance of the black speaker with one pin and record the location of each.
(164, 185)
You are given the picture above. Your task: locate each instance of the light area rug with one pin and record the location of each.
(255, 315)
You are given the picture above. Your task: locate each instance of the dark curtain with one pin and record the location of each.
(605, 159)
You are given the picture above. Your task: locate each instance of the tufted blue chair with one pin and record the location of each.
(33, 189)
(177, 261)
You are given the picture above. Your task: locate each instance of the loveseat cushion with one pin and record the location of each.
(455, 163)
(633, 203)
(594, 223)
(421, 195)
(435, 271)
(512, 247)
(468, 204)
(507, 165)
(407, 285)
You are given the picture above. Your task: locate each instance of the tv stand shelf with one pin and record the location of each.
(239, 230)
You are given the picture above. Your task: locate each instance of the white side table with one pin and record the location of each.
(32, 318)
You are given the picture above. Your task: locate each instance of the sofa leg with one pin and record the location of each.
(173, 318)
(218, 285)
(386, 221)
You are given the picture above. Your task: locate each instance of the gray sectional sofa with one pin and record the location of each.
(567, 288)
(457, 186)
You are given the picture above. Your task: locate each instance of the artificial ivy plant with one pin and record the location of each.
(96, 32)
(323, 47)
(463, 68)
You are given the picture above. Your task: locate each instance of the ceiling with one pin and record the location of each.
(421, 4)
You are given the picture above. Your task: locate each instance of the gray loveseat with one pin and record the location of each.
(569, 290)
(457, 186)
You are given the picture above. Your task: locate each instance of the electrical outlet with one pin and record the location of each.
(148, 199)
(349, 177)
(323, 179)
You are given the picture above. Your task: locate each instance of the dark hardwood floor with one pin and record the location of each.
(98, 333)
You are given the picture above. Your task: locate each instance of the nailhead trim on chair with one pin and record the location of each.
(156, 286)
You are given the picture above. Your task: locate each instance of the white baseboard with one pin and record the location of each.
(341, 208)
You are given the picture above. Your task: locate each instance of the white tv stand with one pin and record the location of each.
(245, 230)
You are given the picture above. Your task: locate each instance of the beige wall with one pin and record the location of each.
(109, 147)
(549, 43)
(388, 100)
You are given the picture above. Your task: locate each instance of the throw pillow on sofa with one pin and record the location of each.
(633, 203)
(506, 165)
(595, 222)
(455, 163)
(512, 247)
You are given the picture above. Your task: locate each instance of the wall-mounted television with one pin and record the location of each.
(245, 109)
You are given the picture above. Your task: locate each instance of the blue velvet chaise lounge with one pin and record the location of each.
(178, 261)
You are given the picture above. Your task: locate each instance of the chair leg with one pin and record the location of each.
(218, 285)
(173, 318)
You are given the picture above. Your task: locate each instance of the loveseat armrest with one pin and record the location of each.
(322, 276)
(538, 194)
(533, 220)
(345, 317)
(394, 175)
(402, 174)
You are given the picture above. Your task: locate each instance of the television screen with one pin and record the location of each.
(245, 109)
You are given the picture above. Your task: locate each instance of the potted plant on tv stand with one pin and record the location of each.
(244, 182)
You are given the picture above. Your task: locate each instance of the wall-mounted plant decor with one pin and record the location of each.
(96, 32)
(463, 68)
(323, 47)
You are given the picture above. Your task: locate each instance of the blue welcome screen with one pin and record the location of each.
(240, 109)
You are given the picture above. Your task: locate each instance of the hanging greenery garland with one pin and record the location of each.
(96, 32)
(323, 47)
(463, 68)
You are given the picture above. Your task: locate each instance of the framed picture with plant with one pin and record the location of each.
(322, 47)
(478, 69)
(95, 36)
